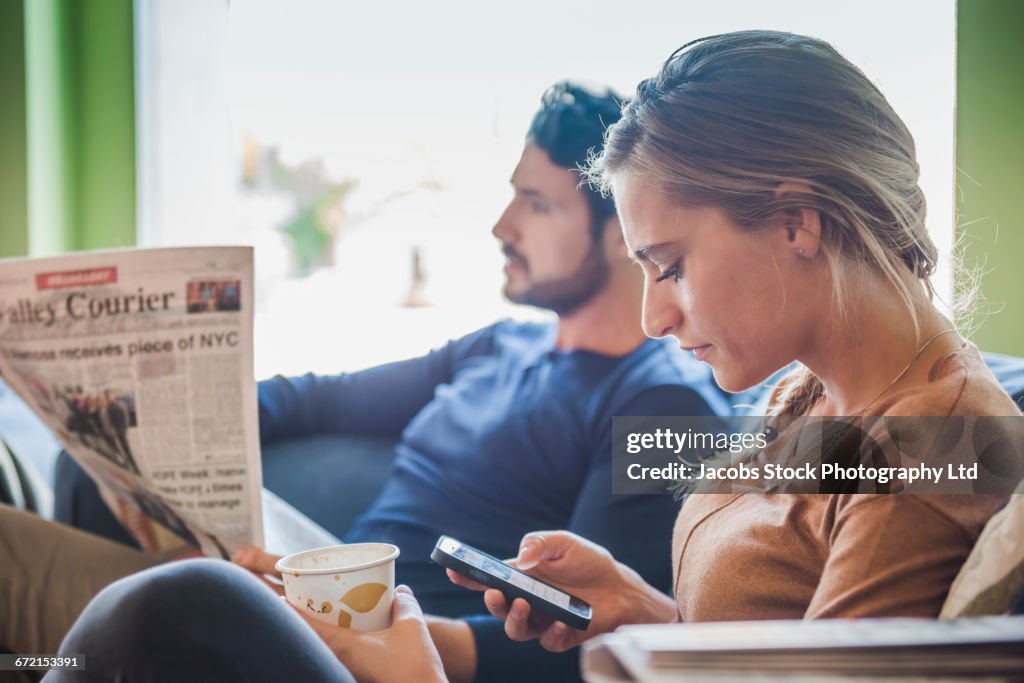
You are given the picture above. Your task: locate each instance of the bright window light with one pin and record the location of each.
(365, 148)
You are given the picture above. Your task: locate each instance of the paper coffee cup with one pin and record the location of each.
(346, 585)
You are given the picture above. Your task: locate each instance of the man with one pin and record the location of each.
(508, 429)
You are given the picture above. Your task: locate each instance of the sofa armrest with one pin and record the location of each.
(331, 479)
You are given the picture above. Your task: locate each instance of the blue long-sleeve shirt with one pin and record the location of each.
(501, 434)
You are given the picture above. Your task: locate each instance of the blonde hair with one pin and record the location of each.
(731, 117)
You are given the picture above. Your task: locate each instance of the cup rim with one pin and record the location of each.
(282, 564)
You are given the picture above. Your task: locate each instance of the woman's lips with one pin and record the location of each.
(699, 352)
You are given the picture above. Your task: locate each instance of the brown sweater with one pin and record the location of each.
(791, 556)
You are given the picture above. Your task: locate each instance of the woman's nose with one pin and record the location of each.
(662, 315)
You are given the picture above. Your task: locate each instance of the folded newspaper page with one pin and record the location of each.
(141, 363)
(896, 649)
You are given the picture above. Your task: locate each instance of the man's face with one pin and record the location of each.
(552, 260)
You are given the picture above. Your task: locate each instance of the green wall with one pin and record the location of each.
(72, 88)
(990, 159)
(104, 129)
(13, 147)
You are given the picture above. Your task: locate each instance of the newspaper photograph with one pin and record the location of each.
(141, 363)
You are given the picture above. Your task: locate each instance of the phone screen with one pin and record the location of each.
(512, 575)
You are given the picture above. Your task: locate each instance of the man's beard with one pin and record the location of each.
(565, 295)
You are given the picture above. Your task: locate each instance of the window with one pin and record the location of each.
(365, 149)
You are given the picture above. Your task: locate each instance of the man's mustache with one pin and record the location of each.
(511, 254)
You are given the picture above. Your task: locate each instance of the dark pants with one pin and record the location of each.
(195, 620)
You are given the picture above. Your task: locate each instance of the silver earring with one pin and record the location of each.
(801, 251)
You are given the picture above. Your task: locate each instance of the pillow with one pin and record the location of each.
(1009, 372)
(993, 576)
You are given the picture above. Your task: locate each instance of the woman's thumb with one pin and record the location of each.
(543, 547)
(405, 605)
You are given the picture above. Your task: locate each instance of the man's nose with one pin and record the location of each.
(662, 315)
(503, 229)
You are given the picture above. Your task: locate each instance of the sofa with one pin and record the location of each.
(350, 470)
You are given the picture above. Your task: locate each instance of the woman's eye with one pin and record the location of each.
(539, 207)
(675, 272)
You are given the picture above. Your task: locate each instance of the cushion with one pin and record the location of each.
(991, 580)
(1009, 371)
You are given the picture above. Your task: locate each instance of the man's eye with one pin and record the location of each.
(539, 207)
(675, 272)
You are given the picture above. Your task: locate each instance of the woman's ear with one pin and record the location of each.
(801, 225)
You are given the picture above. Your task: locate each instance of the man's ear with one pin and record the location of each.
(801, 225)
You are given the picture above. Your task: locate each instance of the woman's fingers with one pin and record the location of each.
(522, 623)
(261, 564)
(257, 560)
(517, 620)
(323, 630)
(557, 638)
(405, 606)
(496, 603)
(340, 640)
(544, 546)
(494, 599)
(531, 550)
(464, 581)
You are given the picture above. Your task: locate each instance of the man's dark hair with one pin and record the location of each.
(569, 127)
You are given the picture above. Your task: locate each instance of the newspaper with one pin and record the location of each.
(140, 362)
(896, 649)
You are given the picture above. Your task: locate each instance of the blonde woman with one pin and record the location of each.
(770, 195)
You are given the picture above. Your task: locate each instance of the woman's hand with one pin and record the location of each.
(398, 654)
(261, 563)
(615, 592)
(367, 654)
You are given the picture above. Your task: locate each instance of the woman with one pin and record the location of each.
(770, 195)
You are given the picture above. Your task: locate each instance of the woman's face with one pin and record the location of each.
(742, 301)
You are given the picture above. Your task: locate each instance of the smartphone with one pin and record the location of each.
(493, 573)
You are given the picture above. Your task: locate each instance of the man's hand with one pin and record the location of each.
(261, 563)
(615, 592)
(398, 654)
(137, 524)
